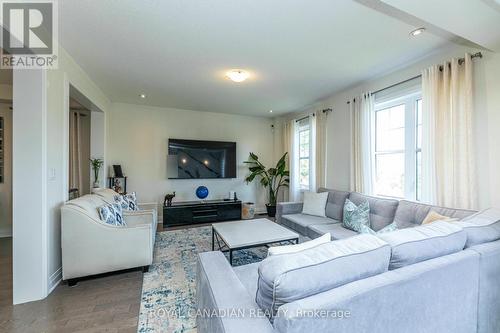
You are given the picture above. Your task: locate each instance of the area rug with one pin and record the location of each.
(168, 289)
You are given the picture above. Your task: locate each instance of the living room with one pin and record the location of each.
(234, 146)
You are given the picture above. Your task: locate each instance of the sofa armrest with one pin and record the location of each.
(285, 208)
(219, 291)
(140, 217)
(148, 206)
(91, 247)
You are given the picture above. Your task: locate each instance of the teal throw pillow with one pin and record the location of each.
(367, 230)
(356, 218)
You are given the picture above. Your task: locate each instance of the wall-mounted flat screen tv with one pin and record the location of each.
(195, 159)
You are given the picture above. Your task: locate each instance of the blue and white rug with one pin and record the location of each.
(168, 289)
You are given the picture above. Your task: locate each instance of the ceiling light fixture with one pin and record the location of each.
(237, 75)
(417, 32)
(270, 111)
(142, 96)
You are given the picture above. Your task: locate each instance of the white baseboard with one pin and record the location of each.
(55, 279)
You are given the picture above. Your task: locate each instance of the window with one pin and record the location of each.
(304, 152)
(397, 148)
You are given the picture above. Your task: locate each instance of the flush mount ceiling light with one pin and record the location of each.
(417, 32)
(270, 111)
(142, 96)
(237, 75)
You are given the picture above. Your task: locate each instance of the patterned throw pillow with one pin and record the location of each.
(367, 230)
(111, 214)
(356, 216)
(127, 201)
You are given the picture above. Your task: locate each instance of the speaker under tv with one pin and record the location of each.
(199, 159)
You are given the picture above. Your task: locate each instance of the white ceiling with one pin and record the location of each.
(176, 51)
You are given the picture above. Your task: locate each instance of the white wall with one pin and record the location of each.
(138, 140)
(29, 186)
(487, 120)
(57, 149)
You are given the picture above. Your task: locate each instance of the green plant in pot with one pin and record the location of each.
(273, 179)
(96, 164)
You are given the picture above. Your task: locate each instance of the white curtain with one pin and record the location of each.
(362, 113)
(448, 170)
(289, 139)
(320, 142)
(75, 155)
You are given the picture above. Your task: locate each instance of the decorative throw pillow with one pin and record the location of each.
(127, 201)
(356, 216)
(367, 230)
(315, 203)
(286, 249)
(111, 214)
(432, 216)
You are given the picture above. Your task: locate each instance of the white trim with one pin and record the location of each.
(55, 279)
(65, 143)
(45, 211)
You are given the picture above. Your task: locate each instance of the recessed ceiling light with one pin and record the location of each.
(238, 75)
(270, 111)
(417, 32)
(142, 95)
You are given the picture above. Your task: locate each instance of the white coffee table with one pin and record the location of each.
(239, 235)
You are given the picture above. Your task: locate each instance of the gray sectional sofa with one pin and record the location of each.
(444, 283)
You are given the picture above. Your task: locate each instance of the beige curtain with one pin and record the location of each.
(320, 141)
(448, 170)
(75, 156)
(289, 137)
(361, 110)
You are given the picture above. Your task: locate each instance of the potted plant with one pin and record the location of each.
(97, 164)
(272, 178)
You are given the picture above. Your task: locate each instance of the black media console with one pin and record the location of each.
(192, 212)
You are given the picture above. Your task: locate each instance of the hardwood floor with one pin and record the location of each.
(105, 304)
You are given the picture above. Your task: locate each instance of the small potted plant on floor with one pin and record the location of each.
(273, 178)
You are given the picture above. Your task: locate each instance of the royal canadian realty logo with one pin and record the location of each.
(29, 34)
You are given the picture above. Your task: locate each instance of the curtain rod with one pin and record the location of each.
(460, 61)
(305, 117)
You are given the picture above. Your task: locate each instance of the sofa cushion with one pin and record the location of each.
(286, 249)
(127, 201)
(335, 203)
(482, 227)
(112, 214)
(410, 214)
(381, 210)
(314, 203)
(290, 277)
(337, 231)
(412, 245)
(356, 216)
(300, 222)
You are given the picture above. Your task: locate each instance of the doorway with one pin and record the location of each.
(79, 149)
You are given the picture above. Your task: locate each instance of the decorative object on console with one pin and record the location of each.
(247, 210)
(111, 214)
(315, 203)
(97, 164)
(114, 183)
(168, 199)
(202, 192)
(355, 216)
(272, 178)
(117, 169)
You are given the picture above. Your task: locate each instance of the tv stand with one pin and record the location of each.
(194, 212)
